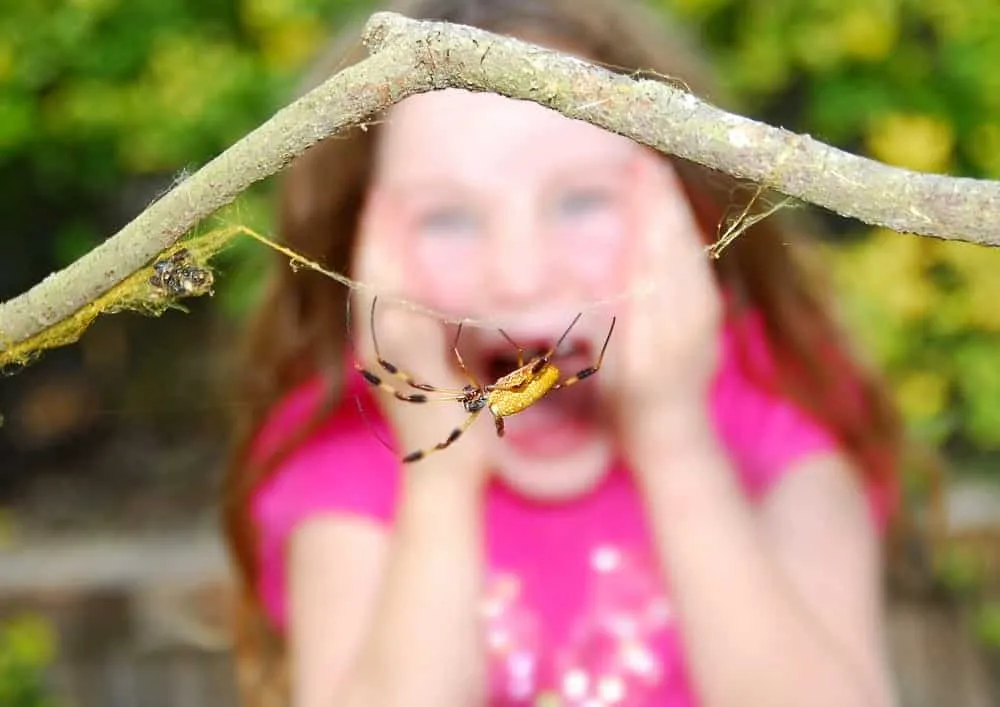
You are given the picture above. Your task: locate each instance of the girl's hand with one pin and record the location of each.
(667, 347)
(420, 348)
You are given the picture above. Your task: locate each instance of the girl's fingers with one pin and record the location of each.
(671, 322)
(671, 247)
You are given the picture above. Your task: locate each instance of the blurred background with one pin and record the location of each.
(113, 581)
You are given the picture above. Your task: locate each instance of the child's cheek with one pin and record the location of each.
(438, 272)
(447, 273)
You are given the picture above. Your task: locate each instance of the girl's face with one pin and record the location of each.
(506, 210)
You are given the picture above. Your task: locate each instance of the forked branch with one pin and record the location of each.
(408, 57)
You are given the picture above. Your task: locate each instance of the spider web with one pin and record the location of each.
(736, 222)
(142, 292)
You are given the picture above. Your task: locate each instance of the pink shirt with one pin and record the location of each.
(574, 606)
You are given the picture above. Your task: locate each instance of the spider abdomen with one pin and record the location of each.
(521, 389)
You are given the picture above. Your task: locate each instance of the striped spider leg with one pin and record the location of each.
(508, 395)
(472, 396)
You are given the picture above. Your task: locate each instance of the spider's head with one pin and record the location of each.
(476, 402)
(475, 398)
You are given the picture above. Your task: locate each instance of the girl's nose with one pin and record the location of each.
(521, 271)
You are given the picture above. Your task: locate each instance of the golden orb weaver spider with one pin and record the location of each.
(508, 395)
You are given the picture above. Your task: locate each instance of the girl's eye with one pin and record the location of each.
(581, 202)
(455, 221)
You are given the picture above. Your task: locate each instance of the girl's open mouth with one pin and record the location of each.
(564, 418)
(500, 362)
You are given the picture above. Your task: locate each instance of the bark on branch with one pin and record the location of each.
(408, 57)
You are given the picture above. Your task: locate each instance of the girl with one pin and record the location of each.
(695, 523)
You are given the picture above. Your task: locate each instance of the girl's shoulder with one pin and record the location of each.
(764, 431)
(340, 465)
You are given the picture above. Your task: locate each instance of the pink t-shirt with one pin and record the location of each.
(574, 607)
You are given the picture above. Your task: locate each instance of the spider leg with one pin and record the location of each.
(375, 380)
(455, 434)
(591, 370)
(543, 361)
(391, 368)
(498, 420)
(394, 370)
(461, 362)
(520, 351)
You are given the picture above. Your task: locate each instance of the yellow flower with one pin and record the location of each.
(984, 150)
(287, 45)
(869, 32)
(922, 394)
(888, 268)
(922, 143)
(261, 14)
(979, 296)
(31, 639)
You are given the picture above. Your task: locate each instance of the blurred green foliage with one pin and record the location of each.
(930, 312)
(93, 90)
(988, 625)
(27, 648)
(912, 83)
(961, 570)
(909, 82)
(99, 94)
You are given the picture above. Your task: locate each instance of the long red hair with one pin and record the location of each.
(298, 330)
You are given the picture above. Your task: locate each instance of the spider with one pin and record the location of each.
(508, 395)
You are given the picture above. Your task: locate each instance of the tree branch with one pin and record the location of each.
(408, 57)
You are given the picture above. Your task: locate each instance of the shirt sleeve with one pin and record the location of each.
(767, 434)
(341, 468)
